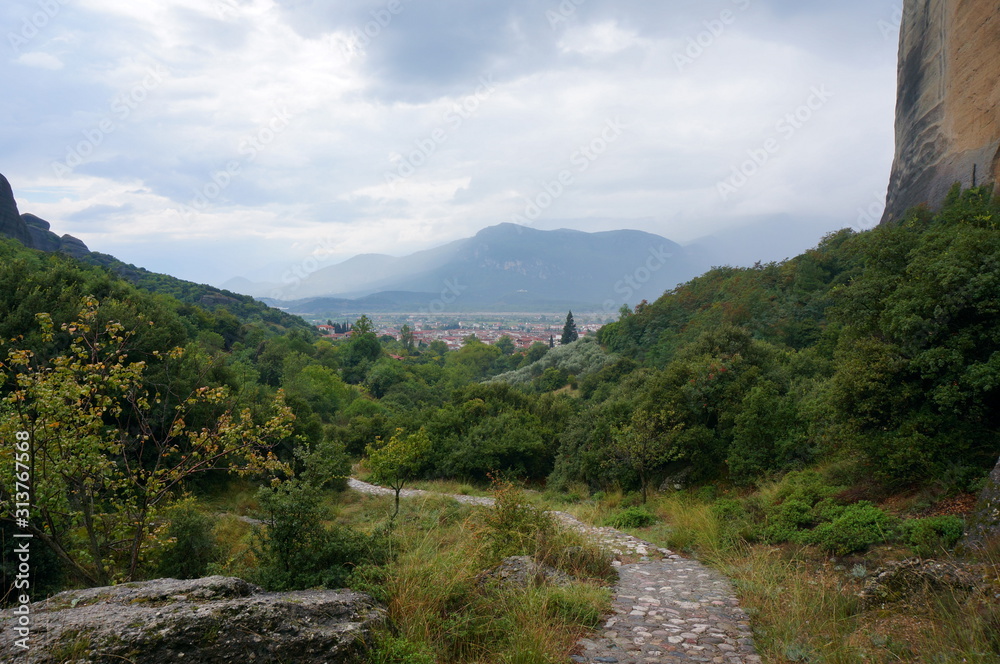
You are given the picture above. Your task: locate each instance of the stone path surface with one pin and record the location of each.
(667, 609)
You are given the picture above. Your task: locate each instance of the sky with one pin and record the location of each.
(210, 139)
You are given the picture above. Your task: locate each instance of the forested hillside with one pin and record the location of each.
(879, 346)
(876, 354)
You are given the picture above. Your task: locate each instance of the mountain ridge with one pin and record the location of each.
(35, 233)
(501, 266)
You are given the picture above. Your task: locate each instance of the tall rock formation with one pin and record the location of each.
(32, 231)
(11, 224)
(948, 102)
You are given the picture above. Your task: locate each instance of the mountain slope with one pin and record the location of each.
(34, 233)
(510, 266)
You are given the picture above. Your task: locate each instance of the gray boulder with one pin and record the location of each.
(984, 523)
(211, 620)
(525, 572)
(899, 580)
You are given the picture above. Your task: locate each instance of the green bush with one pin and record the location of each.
(390, 649)
(632, 517)
(859, 526)
(932, 535)
(296, 551)
(512, 527)
(735, 521)
(192, 547)
(801, 501)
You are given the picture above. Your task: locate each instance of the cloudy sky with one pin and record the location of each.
(216, 138)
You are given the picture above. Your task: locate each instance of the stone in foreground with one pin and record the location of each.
(215, 619)
(984, 523)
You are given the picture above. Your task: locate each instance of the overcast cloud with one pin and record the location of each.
(215, 138)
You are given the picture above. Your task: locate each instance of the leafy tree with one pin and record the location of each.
(101, 464)
(644, 444)
(506, 345)
(363, 325)
(398, 460)
(406, 338)
(536, 352)
(363, 350)
(570, 333)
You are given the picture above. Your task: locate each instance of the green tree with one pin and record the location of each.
(398, 460)
(570, 333)
(644, 444)
(362, 351)
(102, 466)
(506, 345)
(363, 325)
(406, 338)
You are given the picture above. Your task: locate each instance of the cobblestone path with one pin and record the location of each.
(667, 609)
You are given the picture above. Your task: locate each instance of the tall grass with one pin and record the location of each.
(805, 607)
(443, 609)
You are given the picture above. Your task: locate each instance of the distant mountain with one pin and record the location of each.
(34, 233)
(502, 268)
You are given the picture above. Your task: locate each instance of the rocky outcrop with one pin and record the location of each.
(11, 224)
(984, 523)
(41, 236)
(525, 572)
(948, 101)
(72, 246)
(31, 231)
(900, 580)
(216, 619)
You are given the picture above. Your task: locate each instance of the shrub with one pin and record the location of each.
(297, 551)
(632, 517)
(859, 526)
(192, 546)
(932, 535)
(735, 521)
(512, 527)
(569, 551)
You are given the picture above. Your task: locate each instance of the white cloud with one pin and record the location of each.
(235, 68)
(599, 39)
(40, 60)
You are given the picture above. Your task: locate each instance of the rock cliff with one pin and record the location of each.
(212, 620)
(948, 101)
(32, 231)
(11, 224)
